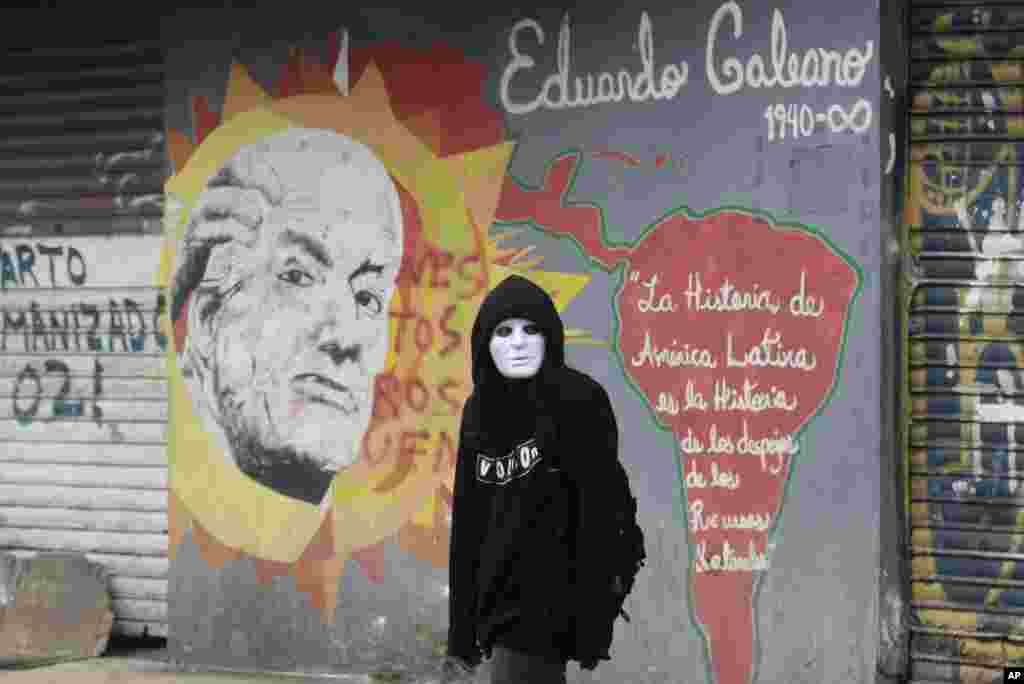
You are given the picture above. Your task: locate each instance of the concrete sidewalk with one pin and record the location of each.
(127, 670)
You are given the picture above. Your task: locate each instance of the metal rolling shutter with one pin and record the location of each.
(83, 399)
(965, 323)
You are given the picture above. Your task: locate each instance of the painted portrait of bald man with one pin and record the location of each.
(285, 276)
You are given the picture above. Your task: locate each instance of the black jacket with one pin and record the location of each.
(535, 460)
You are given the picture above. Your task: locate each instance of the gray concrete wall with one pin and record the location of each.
(689, 183)
(894, 575)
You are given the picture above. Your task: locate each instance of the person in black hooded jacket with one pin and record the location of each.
(537, 455)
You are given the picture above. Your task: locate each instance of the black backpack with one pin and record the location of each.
(626, 548)
(625, 542)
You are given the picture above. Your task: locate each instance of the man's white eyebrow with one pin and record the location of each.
(309, 244)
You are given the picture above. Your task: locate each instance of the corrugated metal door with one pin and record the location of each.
(965, 389)
(83, 405)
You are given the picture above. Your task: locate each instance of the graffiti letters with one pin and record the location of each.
(416, 395)
(384, 444)
(436, 268)
(79, 322)
(560, 92)
(406, 397)
(31, 388)
(123, 325)
(816, 67)
(39, 265)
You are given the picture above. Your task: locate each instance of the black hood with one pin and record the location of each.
(516, 297)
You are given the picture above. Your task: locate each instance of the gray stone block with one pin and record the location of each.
(53, 605)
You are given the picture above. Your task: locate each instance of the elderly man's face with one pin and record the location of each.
(305, 330)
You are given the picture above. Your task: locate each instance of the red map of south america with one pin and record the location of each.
(732, 329)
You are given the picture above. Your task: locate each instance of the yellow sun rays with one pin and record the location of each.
(457, 198)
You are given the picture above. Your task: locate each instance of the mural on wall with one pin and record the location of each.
(731, 327)
(730, 323)
(310, 428)
(280, 366)
(69, 338)
(964, 217)
(334, 244)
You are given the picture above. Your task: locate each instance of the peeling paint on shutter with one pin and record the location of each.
(83, 396)
(965, 321)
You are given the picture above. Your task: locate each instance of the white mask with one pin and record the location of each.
(517, 347)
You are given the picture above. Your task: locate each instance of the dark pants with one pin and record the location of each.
(516, 667)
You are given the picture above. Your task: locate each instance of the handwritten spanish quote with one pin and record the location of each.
(771, 450)
(733, 329)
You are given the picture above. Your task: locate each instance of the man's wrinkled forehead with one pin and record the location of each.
(345, 194)
(334, 233)
(337, 229)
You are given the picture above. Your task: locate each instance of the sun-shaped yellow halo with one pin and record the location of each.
(456, 196)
